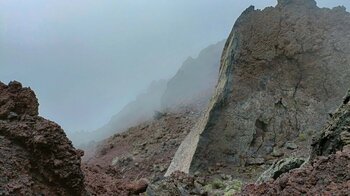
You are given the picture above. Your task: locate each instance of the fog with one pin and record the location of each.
(87, 59)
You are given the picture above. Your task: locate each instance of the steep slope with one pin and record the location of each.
(145, 150)
(195, 81)
(36, 158)
(328, 171)
(191, 87)
(125, 160)
(282, 71)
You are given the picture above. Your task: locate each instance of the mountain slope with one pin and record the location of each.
(195, 81)
(191, 87)
(135, 112)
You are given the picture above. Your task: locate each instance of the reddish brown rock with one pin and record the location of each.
(18, 100)
(35, 155)
(324, 175)
(137, 187)
(142, 152)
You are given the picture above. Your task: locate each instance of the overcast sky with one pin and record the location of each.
(86, 59)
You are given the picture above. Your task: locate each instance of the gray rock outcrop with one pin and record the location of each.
(283, 70)
(337, 133)
(280, 167)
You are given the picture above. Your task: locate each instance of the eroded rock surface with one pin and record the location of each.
(337, 133)
(283, 70)
(35, 155)
(328, 171)
(324, 175)
(280, 167)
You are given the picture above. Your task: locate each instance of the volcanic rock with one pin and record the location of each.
(283, 69)
(324, 175)
(142, 152)
(36, 158)
(327, 172)
(280, 167)
(337, 133)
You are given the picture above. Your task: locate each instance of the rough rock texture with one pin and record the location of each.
(280, 167)
(337, 133)
(181, 184)
(282, 71)
(18, 100)
(35, 155)
(328, 171)
(323, 176)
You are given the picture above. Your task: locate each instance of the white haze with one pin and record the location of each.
(86, 59)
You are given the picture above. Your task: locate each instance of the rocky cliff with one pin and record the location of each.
(283, 70)
(36, 158)
(328, 170)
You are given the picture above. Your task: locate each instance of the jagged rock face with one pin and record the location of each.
(327, 172)
(337, 133)
(35, 155)
(18, 100)
(324, 175)
(195, 82)
(282, 71)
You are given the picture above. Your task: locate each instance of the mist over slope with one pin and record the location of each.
(196, 79)
(192, 86)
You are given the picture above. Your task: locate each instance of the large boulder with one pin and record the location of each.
(17, 100)
(36, 158)
(283, 70)
(280, 167)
